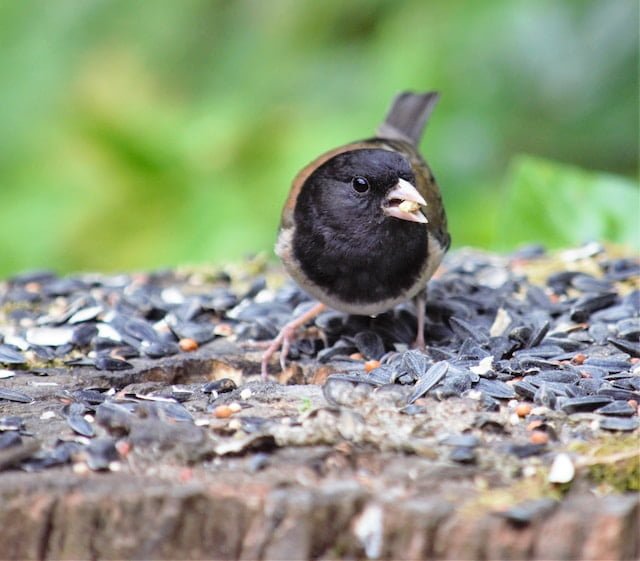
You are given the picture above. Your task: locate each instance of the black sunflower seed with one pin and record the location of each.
(617, 409)
(417, 364)
(526, 450)
(589, 385)
(633, 348)
(463, 455)
(589, 303)
(85, 314)
(201, 334)
(369, 344)
(565, 343)
(74, 408)
(562, 376)
(341, 348)
(92, 397)
(222, 300)
(179, 393)
(538, 333)
(137, 329)
(465, 330)
(539, 299)
(171, 411)
(524, 389)
(80, 425)
(585, 404)
(222, 385)
(609, 364)
(12, 395)
(43, 353)
(105, 362)
(593, 371)
(629, 329)
(9, 355)
(619, 423)
(382, 375)
(454, 385)
(542, 351)
(115, 417)
(84, 334)
(587, 283)
(428, 380)
(618, 393)
(495, 388)
(63, 286)
(559, 282)
(612, 314)
(100, 453)
(330, 322)
(159, 349)
(623, 269)
(9, 439)
(545, 396)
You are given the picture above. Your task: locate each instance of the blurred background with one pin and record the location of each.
(139, 134)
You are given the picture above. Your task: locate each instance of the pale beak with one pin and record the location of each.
(404, 202)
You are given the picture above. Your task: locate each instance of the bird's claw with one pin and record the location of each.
(284, 338)
(283, 342)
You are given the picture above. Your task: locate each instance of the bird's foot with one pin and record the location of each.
(285, 337)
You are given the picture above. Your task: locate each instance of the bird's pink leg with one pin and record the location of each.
(420, 302)
(283, 339)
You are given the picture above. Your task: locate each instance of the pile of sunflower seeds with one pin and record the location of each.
(561, 332)
(571, 345)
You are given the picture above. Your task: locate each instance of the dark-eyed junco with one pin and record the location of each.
(364, 227)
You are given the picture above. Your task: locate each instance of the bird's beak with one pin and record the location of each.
(404, 202)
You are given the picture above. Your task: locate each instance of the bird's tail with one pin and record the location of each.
(408, 116)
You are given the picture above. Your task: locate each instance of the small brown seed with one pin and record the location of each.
(188, 345)
(539, 437)
(371, 365)
(222, 412)
(579, 358)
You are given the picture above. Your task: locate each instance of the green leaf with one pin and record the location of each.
(560, 205)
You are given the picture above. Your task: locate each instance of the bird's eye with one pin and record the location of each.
(360, 184)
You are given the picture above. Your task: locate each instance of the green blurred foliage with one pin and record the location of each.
(136, 134)
(587, 206)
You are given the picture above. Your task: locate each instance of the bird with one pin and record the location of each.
(364, 226)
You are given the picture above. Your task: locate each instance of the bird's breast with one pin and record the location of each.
(364, 276)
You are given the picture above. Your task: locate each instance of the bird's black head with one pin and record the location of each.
(344, 224)
(348, 191)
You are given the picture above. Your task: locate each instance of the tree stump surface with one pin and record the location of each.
(162, 460)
